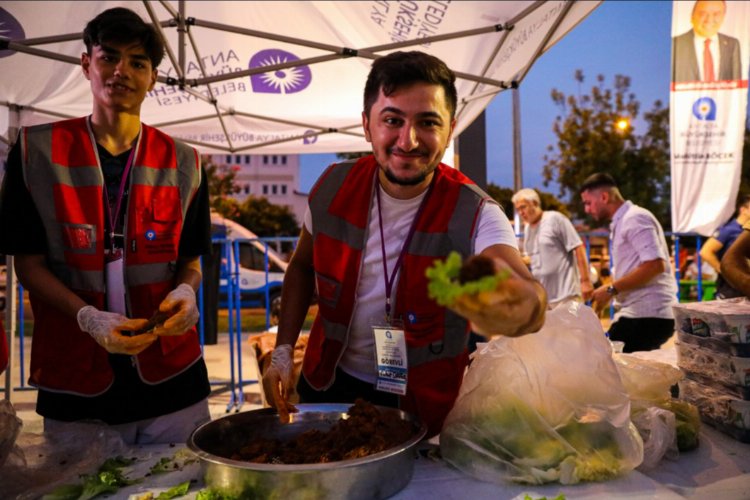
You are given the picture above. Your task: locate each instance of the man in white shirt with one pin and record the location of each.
(557, 257)
(642, 282)
(373, 227)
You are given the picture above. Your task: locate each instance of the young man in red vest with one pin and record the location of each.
(94, 210)
(372, 228)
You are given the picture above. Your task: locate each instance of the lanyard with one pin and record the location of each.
(112, 218)
(407, 241)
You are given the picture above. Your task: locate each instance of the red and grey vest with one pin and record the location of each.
(436, 338)
(61, 169)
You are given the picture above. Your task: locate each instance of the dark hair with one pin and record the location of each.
(742, 200)
(399, 69)
(598, 180)
(121, 25)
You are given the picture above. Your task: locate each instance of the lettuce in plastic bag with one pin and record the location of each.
(546, 407)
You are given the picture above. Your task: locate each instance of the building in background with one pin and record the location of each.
(272, 176)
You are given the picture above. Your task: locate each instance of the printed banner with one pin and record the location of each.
(708, 101)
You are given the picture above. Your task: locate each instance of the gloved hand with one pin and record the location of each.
(279, 381)
(107, 327)
(180, 304)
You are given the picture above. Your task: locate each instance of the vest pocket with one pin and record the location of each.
(329, 290)
(79, 238)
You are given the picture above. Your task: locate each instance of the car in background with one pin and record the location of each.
(255, 277)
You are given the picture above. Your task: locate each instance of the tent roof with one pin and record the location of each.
(283, 77)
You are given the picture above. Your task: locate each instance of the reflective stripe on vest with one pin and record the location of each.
(75, 234)
(62, 172)
(340, 221)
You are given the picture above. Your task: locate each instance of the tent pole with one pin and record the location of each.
(14, 119)
(517, 167)
(181, 27)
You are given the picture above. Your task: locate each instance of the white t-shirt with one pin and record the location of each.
(358, 359)
(550, 244)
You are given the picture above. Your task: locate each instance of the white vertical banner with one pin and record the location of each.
(708, 101)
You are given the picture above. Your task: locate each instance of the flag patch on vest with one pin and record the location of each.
(78, 236)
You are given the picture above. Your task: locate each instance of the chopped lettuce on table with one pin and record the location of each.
(178, 461)
(108, 479)
(445, 287)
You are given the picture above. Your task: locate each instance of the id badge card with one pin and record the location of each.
(390, 349)
(115, 282)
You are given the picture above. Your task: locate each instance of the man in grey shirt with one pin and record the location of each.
(642, 280)
(553, 250)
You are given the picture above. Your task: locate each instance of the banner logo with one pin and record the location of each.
(10, 28)
(705, 109)
(281, 81)
(310, 137)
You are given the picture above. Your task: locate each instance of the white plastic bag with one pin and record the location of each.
(545, 407)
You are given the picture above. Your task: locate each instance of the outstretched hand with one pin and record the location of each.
(513, 308)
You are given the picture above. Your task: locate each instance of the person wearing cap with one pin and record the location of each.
(642, 284)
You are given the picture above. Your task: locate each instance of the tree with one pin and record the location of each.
(589, 141)
(504, 197)
(266, 219)
(255, 213)
(221, 186)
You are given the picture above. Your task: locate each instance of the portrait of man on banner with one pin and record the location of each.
(706, 53)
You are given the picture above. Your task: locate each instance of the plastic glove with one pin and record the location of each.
(279, 381)
(107, 327)
(180, 303)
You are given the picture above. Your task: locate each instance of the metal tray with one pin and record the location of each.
(373, 477)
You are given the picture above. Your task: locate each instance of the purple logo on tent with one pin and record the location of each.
(310, 137)
(10, 28)
(705, 109)
(282, 81)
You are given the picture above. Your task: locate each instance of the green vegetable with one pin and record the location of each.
(175, 491)
(108, 479)
(444, 286)
(688, 423)
(211, 494)
(179, 460)
(561, 496)
(517, 440)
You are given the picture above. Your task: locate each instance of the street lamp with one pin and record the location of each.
(622, 124)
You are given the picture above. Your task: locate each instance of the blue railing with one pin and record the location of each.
(231, 273)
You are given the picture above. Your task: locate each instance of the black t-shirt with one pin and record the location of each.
(129, 398)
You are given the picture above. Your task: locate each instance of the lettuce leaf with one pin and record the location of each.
(444, 286)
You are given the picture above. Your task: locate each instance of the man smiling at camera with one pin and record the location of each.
(372, 228)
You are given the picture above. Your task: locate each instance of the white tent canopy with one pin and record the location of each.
(273, 77)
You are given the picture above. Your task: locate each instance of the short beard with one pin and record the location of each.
(407, 182)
